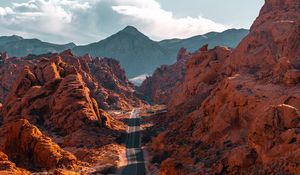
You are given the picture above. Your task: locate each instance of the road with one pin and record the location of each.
(134, 153)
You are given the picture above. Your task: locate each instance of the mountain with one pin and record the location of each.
(8, 39)
(20, 47)
(229, 38)
(137, 53)
(140, 55)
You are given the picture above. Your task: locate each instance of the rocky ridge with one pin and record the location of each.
(238, 113)
(53, 103)
(160, 85)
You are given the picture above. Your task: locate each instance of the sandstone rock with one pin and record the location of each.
(292, 77)
(170, 166)
(274, 135)
(273, 37)
(60, 103)
(204, 48)
(29, 148)
(3, 56)
(239, 113)
(96, 73)
(64, 96)
(160, 85)
(9, 168)
(201, 77)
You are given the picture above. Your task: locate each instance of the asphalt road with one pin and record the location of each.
(134, 153)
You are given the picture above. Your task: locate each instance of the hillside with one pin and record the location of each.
(20, 47)
(140, 55)
(137, 53)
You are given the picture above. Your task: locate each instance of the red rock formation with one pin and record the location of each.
(240, 116)
(96, 73)
(202, 75)
(62, 95)
(52, 94)
(270, 50)
(3, 56)
(29, 148)
(9, 168)
(160, 85)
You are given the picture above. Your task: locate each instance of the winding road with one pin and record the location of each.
(134, 152)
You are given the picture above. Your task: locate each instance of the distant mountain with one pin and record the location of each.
(8, 39)
(230, 38)
(137, 53)
(140, 55)
(18, 46)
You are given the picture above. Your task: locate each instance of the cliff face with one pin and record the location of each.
(271, 49)
(239, 113)
(160, 85)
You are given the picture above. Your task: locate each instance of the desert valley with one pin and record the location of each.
(218, 103)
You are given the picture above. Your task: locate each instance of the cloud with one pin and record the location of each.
(85, 21)
(52, 20)
(160, 23)
(5, 11)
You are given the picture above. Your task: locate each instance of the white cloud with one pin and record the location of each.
(161, 23)
(42, 17)
(5, 11)
(85, 21)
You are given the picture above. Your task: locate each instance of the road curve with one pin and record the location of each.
(134, 153)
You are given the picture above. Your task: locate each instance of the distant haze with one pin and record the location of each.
(86, 21)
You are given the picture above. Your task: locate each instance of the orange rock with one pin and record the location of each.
(29, 148)
(292, 77)
(104, 77)
(64, 97)
(238, 113)
(9, 168)
(160, 85)
(170, 166)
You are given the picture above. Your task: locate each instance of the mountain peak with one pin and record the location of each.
(131, 30)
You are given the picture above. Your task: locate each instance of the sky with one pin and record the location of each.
(86, 21)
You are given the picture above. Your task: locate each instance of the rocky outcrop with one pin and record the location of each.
(3, 56)
(160, 85)
(239, 114)
(9, 168)
(202, 76)
(112, 77)
(29, 148)
(54, 95)
(56, 101)
(270, 51)
(104, 77)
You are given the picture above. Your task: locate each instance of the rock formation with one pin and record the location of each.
(160, 85)
(55, 101)
(238, 113)
(25, 145)
(96, 73)
(51, 94)
(9, 168)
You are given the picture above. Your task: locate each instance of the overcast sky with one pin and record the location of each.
(86, 21)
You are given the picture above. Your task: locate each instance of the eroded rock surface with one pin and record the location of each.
(25, 145)
(160, 85)
(56, 102)
(9, 168)
(239, 113)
